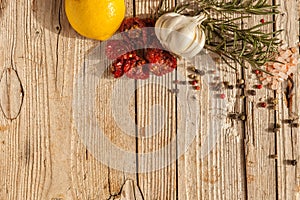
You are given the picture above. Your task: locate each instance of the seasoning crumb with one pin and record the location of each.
(192, 76)
(291, 162)
(222, 96)
(263, 104)
(197, 87)
(230, 87)
(274, 156)
(251, 92)
(233, 115)
(295, 125)
(193, 69)
(242, 117)
(240, 81)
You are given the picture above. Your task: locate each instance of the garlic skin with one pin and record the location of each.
(181, 34)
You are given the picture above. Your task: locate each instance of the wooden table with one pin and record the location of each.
(43, 155)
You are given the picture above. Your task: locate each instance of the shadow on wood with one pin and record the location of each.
(51, 16)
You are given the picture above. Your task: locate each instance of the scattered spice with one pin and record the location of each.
(277, 125)
(230, 87)
(240, 81)
(197, 78)
(289, 93)
(192, 69)
(226, 83)
(273, 101)
(251, 92)
(197, 87)
(280, 69)
(191, 76)
(289, 121)
(273, 107)
(242, 96)
(263, 104)
(194, 82)
(291, 162)
(222, 96)
(257, 72)
(295, 125)
(242, 117)
(259, 86)
(233, 115)
(274, 156)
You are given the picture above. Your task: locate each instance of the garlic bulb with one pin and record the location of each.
(181, 34)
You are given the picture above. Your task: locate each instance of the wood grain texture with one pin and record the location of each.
(260, 140)
(156, 121)
(43, 154)
(288, 137)
(220, 174)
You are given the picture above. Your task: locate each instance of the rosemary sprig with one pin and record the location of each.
(226, 37)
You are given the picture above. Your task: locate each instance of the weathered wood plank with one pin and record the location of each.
(92, 178)
(210, 177)
(156, 121)
(288, 138)
(260, 140)
(27, 159)
(220, 173)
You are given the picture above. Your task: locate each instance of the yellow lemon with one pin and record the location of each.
(96, 19)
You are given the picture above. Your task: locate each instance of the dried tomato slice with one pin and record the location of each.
(132, 23)
(161, 62)
(116, 48)
(130, 64)
(139, 63)
(139, 71)
(123, 64)
(132, 32)
(151, 39)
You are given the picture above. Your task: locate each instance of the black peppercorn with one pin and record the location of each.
(226, 83)
(277, 126)
(291, 162)
(233, 115)
(295, 125)
(252, 92)
(230, 87)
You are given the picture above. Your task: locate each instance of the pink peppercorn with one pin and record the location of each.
(257, 72)
(222, 96)
(194, 82)
(263, 104)
(259, 86)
